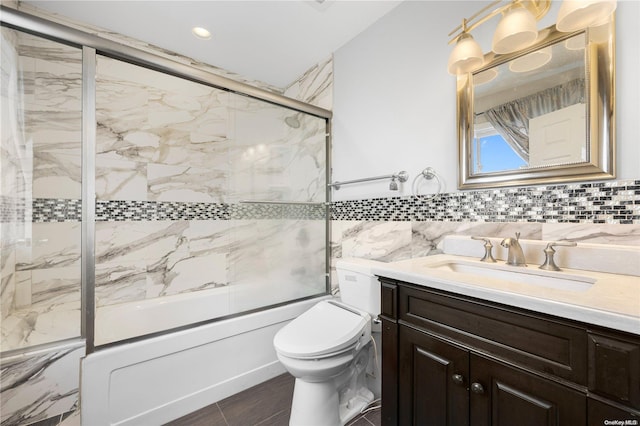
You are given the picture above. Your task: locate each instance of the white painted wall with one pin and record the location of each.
(394, 102)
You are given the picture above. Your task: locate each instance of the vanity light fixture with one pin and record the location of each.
(577, 14)
(517, 28)
(467, 55)
(515, 31)
(201, 33)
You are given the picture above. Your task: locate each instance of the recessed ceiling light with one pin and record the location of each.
(201, 33)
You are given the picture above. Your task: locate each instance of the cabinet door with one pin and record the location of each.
(504, 396)
(601, 413)
(389, 411)
(433, 381)
(614, 368)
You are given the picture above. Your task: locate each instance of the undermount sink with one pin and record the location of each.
(531, 275)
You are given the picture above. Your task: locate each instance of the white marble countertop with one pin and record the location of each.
(613, 300)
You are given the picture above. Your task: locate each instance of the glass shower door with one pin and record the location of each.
(40, 190)
(40, 227)
(179, 168)
(278, 191)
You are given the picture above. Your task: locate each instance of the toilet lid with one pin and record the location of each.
(325, 328)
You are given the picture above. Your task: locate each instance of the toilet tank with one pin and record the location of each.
(359, 287)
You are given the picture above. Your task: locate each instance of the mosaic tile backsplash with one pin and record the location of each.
(615, 202)
(399, 228)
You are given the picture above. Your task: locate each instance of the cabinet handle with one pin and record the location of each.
(457, 379)
(477, 388)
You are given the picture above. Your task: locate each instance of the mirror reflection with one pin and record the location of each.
(541, 115)
(532, 111)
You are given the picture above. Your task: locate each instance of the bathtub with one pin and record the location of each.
(126, 320)
(157, 379)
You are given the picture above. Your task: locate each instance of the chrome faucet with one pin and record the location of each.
(515, 257)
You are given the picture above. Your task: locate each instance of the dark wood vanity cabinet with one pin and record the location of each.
(452, 360)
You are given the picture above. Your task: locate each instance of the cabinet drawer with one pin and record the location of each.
(530, 340)
(614, 368)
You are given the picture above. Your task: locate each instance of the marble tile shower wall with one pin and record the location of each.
(40, 154)
(397, 228)
(175, 159)
(40, 162)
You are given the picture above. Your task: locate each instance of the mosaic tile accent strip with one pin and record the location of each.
(152, 211)
(125, 210)
(46, 210)
(609, 202)
(14, 210)
(277, 211)
(59, 210)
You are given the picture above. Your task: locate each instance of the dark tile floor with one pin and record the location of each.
(266, 404)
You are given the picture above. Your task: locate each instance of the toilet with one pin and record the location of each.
(329, 350)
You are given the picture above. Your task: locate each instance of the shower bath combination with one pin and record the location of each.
(167, 229)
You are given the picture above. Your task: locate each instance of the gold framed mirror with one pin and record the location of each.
(541, 115)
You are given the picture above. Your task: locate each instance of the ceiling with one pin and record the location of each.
(273, 41)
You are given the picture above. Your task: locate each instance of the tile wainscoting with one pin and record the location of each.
(397, 228)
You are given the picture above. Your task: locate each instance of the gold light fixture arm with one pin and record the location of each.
(538, 9)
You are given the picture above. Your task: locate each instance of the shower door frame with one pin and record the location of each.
(91, 46)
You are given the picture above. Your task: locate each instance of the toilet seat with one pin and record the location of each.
(327, 329)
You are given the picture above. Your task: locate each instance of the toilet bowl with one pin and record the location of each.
(328, 350)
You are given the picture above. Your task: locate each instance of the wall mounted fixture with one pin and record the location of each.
(428, 174)
(466, 56)
(393, 185)
(517, 28)
(577, 14)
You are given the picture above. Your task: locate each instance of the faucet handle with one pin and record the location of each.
(549, 264)
(488, 256)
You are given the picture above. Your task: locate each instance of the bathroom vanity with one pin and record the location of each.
(464, 349)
